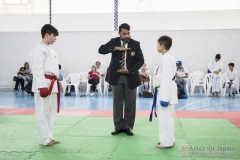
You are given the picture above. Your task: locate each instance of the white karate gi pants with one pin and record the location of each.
(45, 112)
(232, 88)
(216, 84)
(166, 125)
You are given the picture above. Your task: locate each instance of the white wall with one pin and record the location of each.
(79, 50)
(155, 21)
(197, 37)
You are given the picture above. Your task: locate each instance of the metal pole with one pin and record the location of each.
(50, 11)
(115, 15)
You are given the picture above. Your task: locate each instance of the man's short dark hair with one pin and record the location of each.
(231, 64)
(49, 29)
(218, 56)
(166, 41)
(124, 26)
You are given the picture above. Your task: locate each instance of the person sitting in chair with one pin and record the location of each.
(181, 76)
(144, 77)
(232, 79)
(99, 68)
(93, 78)
(23, 76)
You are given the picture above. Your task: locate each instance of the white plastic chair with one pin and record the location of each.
(197, 79)
(83, 79)
(73, 79)
(105, 87)
(62, 84)
(208, 80)
(187, 87)
(98, 87)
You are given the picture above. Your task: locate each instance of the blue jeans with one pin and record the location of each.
(184, 83)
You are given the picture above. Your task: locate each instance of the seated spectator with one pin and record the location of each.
(23, 76)
(61, 75)
(144, 77)
(60, 79)
(232, 79)
(99, 68)
(93, 78)
(181, 76)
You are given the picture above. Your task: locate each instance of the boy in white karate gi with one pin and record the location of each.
(166, 94)
(215, 67)
(232, 80)
(45, 85)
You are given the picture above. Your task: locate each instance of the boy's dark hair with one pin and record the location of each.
(124, 26)
(231, 64)
(218, 56)
(49, 29)
(166, 41)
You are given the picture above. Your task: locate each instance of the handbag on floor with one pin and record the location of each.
(147, 94)
(14, 78)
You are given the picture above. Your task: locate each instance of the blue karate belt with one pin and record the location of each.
(230, 84)
(154, 105)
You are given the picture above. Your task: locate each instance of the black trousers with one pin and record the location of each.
(124, 104)
(21, 81)
(94, 82)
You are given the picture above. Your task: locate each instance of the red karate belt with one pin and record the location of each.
(54, 78)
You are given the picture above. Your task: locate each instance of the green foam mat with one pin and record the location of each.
(89, 138)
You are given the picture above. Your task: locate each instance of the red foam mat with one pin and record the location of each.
(233, 117)
(199, 114)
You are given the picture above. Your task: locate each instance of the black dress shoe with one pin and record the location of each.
(67, 94)
(116, 132)
(128, 132)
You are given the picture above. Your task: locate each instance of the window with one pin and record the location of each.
(14, 1)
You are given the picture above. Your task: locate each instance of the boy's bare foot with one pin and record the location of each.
(162, 147)
(53, 141)
(213, 95)
(173, 143)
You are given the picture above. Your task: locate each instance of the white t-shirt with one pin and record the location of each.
(181, 72)
(100, 70)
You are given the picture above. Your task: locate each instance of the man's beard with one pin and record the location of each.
(126, 40)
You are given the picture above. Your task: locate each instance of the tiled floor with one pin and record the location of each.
(199, 102)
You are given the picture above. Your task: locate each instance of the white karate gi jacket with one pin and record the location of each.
(44, 61)
(232, 75)
(168, 89)
(213, 66)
